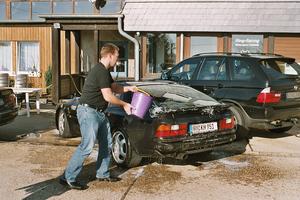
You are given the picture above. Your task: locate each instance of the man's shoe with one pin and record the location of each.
(72, 185)
(109, 179)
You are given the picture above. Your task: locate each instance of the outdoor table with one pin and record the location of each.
(27, 91)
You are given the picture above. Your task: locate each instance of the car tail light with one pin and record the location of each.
(226, 123)
(168, 130)
(268, 96)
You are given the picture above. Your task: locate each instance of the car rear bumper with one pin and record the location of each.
(202, 143)
(8, 116)
(276, 118)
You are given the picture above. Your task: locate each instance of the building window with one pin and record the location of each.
(2, 10)
(28, 58)
(20, 11)
(203, 44)
(39, 8)
(83, 7)
(161, 52)
(62, 7)
(6, 57)
(247, 43)
(112, 6)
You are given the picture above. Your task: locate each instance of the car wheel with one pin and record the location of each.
(280, 130)
(62, 125)
(122, 152)
(241, 130)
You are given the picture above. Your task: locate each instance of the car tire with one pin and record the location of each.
(280, 130)
(63, 125)
(242, 131)
(123, 152)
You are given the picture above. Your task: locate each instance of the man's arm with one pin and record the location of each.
(121, 89)
(111, 98)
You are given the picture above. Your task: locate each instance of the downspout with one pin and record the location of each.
(136, 49)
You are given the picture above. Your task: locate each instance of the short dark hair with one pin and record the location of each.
(108, 48)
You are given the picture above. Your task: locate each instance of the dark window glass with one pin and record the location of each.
(83, 7)
(2, 10)
(20, 10)
(185, 70)
(280, 67)
(241, 70)
(60, 7)
(39, 8)
(112, 6)
(211, 69)
(161, 52)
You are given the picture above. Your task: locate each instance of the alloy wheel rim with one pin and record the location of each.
(61, 123)
(119, 150)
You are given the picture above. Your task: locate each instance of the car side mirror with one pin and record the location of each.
(164, 75)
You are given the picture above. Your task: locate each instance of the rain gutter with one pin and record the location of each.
(136, 49)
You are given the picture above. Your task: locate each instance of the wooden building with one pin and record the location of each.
(66, 35)
(63, 36)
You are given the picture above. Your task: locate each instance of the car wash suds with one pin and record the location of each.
(245, 170)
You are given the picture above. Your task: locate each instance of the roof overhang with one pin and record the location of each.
(83, 22)
(239, 16)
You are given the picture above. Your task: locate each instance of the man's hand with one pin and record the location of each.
(130, 88)
(128, 108)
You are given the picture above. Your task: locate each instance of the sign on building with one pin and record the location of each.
(247, 43)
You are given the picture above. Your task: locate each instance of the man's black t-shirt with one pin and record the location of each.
(99, 77)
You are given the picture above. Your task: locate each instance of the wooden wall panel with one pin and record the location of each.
(287, 46)
(35, 34)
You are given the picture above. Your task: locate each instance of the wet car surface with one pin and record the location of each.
(180, 121)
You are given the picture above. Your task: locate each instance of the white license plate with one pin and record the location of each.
(203, 128)
(293, 95)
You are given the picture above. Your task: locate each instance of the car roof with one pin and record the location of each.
(252, 55)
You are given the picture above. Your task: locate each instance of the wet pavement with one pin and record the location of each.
(33, 157)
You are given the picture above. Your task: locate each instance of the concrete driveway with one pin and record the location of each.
(33, 157)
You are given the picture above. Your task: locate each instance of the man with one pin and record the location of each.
(97, 93)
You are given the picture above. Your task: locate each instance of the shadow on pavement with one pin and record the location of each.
(45, 189)
(50, 188)
(23, 125)
(272, 135)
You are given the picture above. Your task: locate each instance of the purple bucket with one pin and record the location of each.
(141, 103)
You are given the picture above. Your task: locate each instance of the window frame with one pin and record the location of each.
(223, 61)
(18, 57)
(11, 58)
(231, 70)
(199, 60)
(28, 12)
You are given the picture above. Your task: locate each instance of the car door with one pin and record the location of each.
(246, 82)
(185, 71)
(211, 77)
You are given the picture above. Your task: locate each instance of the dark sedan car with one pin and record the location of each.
(8, 107)
(180, 121)
(262, 89)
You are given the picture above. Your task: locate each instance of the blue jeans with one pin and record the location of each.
(93, 125)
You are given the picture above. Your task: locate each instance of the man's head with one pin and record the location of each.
(109, 54)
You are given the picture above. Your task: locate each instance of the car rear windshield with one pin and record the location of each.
(280, 68)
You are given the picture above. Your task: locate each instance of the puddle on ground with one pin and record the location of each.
(245, 170)
(49, 137)
(146, 179)
(51, 158)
